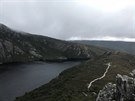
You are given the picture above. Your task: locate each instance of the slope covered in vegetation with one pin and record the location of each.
(72, 84)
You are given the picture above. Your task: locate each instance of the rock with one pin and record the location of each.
(34, 53)
(133, 73)
(2, 52)
(8, 45)
(17, 50)
(123, 90)
(107, 93)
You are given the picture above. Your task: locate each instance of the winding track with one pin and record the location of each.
(108, 64)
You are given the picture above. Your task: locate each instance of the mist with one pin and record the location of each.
(72, 19)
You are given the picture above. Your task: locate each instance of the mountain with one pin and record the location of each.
(18, 46)
(79, 83)
(74, 84)
(128, 47)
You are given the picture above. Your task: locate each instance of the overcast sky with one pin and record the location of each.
(72, 19)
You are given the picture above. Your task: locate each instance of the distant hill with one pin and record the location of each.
(18, 46)
(128, 47)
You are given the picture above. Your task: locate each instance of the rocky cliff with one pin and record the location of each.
(123, 90)
(18, 46)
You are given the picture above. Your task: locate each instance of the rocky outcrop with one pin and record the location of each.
(123, 90)
(107, 93)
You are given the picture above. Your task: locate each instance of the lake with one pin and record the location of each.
(16, 79)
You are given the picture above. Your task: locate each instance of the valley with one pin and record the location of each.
(81, 82)
(72, 84)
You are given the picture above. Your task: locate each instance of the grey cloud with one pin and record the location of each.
(63, 20)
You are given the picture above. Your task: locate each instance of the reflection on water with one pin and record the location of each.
(16, 79)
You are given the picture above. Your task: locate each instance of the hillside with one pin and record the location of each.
(72, 84)
(128, 47)
(18, 46)
(79, 83)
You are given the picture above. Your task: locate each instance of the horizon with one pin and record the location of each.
(111, 39)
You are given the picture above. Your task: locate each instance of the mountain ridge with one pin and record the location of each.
(128, 47)
(24, 47)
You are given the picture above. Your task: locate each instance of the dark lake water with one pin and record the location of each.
(17, 79)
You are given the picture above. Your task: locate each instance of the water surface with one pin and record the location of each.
(16, 79)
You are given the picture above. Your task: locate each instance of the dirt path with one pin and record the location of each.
(109, 64)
